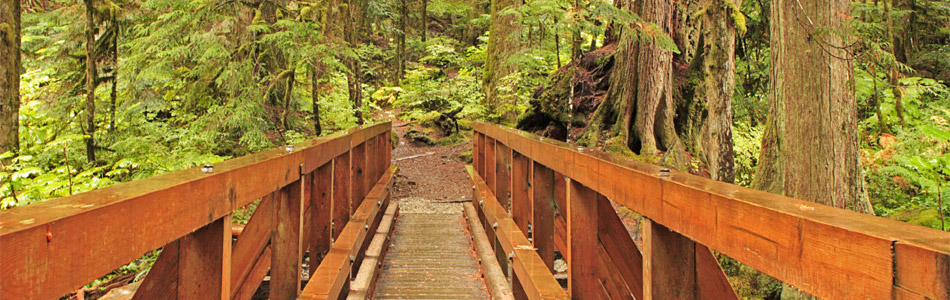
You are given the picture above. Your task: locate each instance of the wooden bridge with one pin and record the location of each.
(324, 220)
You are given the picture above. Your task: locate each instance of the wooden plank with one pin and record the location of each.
(543, 227)
(321, 208)
(502, 187)
(254, 277)
(711, 281)
(521, 207)
(161, 283)
(669, 264)
(478, 153)
(341, 193)
(249, 246)
(164, 208)
(828, 252)
(921, 271)
(204, 262)
(619, 247)
(286, 243)
(533, 274)
(490, 161)
(582, 242)
(357, 177)
(607, 276)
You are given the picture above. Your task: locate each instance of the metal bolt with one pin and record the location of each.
(207, 168)
(366, 227)
(511, 255)
(664, 172)
(481, 202)
(289, 148)
(352, 258)
(379, 203)
(494, 225)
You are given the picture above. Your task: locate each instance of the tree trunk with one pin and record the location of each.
(9, 76)
(425, 19)
(114, 95)
(817, 116)
(638, 110)
(354, 77)
(503, 43)
(810, 147)
(719, 66)
(91, 82)
(576, 50)
(401, 52)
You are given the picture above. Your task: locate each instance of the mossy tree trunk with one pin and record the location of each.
(91, 81)
(639, 110)
(503, 43)
(401, 51)
(719, 31)
(9, 76)
(354, 77)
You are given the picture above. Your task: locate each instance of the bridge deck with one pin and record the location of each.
(431, 257)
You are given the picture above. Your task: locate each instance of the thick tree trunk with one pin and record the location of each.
(810, 147)
(638, 111)
(503, 43)
(91, 82)
(719, 67)
(9, 76)
(815, 114)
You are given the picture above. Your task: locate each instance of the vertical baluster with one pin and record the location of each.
(286, 243)
(543, 226)
(321, 213)
(669, 264)
(204, 262)
(340, 193)
(582, 242)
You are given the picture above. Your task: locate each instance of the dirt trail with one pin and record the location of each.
(429, 178)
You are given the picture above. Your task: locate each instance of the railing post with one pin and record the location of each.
(521, 207)
(340, 193)
(503, 175)
(543, 227)
(358, 176)
(286, 243)
(582, 242)
(669, 263)
(321, 213)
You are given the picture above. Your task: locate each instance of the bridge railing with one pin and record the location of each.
(559, 197)
(308, 193)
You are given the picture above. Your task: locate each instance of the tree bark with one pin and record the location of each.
(503, 43)
(354, 77)
(91, 82)
(814, 120)
(401, 52)
(810, 146)
(9, 76)
(638, 111)
(425, 20)
(114, 95)
(719, 66)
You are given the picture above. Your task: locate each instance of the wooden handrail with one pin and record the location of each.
(828, 252)
(50, 248)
